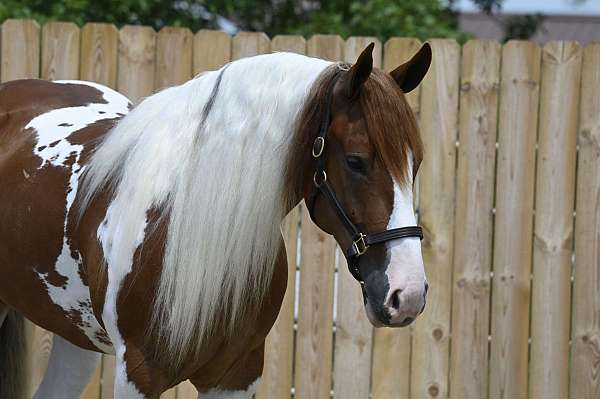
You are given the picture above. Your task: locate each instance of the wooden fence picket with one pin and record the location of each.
(137, 55)
(98, 63)
(20, 46)
(553, 231)
(513, 227)
(60, 51)
(276, 380)
(212, 50)
(473, 224)
(438, 124)
(247, 44)
(585, 354)
(290, 43)
(174, 48)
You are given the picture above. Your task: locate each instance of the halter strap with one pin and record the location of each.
(360, 241)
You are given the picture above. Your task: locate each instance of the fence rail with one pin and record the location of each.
(512, 139)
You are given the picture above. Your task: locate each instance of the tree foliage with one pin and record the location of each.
(381, 18)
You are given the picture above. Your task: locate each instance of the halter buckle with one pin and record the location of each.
(360, 246)
(318, 147)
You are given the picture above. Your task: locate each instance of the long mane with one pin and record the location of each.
(210, 154)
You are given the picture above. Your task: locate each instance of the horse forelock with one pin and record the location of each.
(391, 128)
(210, 155)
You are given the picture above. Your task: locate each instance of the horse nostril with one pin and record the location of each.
(396, 299)
(407, 321)
(426, 287)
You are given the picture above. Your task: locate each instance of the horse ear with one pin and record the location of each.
(409, 75)
(359, 72)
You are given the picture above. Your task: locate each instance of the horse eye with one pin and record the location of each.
(357, 164)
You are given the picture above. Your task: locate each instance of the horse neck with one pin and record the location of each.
(211, 154)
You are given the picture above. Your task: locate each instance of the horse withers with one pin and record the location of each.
(153, 233)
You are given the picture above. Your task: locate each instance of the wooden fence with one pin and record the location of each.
(512, 139)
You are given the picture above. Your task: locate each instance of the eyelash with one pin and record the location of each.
(356, 165)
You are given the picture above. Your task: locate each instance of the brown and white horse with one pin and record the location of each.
(153, 233)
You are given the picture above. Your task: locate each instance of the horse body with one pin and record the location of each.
(44, 145)
(154, 234)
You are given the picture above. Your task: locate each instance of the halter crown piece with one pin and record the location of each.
(360, 241)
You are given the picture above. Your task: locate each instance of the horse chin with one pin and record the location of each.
(372, 316)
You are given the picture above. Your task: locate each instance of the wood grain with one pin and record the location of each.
(291, 43)
(519, 94)
(186, 390)
(247, 44)
(108, 377)
(39, 346)
(99, 43)
(553, 231)
(327, 47)
(212, 50)
(276, 381)
(585, 350)
(92, 390)
(314, 340)
(137, 51)
(19, 50)
(438, 121)
(173, 57)
(60, 51)
(473, 227)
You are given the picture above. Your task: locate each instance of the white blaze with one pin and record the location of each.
(406, 262)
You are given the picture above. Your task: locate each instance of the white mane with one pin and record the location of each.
(220, 179)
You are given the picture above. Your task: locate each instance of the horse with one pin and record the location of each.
(153, 232)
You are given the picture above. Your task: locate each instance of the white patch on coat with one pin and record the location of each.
(54, 127)
(219, 394)
(53, 130)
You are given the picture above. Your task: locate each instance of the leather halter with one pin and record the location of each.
(360, 241)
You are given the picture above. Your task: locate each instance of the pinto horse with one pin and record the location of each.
(153, 233)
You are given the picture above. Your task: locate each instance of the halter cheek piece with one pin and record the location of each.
(360, 241)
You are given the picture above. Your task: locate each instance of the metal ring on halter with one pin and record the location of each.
(318, 147)
(319, 183)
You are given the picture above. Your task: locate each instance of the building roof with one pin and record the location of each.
(584, 29)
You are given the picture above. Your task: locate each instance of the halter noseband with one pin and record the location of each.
(360, 241)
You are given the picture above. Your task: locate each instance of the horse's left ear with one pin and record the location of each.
(359, 72)
(409, 75)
